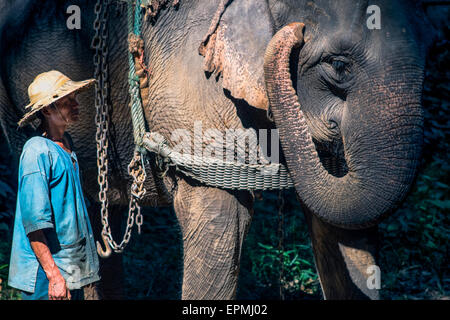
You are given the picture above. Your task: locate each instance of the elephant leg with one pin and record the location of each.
(214, 223)
(110, 287)
(344, 260)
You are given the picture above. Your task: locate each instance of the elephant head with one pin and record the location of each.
(347, 102)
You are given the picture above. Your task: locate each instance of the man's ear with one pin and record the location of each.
(45, 112)
(236, 50)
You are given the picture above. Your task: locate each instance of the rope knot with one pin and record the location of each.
(135, 45)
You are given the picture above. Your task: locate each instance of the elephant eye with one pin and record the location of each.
(336, 72)
(339, 66)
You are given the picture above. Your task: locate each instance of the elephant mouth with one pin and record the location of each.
(332, 156)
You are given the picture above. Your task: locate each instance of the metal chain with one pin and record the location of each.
(99, 43)
(136, 169)
(100, 121)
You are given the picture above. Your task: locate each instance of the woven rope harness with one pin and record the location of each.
(207, 170)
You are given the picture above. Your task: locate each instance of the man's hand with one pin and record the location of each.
(57, 289)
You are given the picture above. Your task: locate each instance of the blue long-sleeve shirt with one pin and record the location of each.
(50, 198)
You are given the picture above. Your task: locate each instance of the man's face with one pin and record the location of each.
(64, 112)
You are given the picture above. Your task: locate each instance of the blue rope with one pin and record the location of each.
(137, 114)
(137, 18)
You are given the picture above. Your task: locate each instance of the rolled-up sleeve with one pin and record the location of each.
(34, 196)
(35, 203)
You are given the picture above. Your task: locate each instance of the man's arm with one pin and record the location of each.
(57, 289)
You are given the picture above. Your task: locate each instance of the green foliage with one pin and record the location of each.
(266, 267)
(6, 293)
(415, 240)
(5, 189)
(7, 205)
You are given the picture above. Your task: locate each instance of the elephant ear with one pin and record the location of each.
(234, 49)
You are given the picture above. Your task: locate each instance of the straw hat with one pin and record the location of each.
(47, 88)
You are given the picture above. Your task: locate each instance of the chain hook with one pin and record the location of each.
(104, 253)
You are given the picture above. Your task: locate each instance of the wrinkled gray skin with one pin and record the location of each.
(369, 131)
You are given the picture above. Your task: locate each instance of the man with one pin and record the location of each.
(53, 252)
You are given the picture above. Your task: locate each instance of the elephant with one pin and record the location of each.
(345, 97)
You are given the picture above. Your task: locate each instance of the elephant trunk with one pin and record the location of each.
(382, 143)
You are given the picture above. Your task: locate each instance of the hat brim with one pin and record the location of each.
(66, 89)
